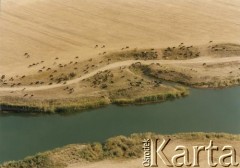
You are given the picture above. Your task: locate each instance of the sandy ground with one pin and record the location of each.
(192, 63)
(169, 151)
(66, 28)
(136, 163)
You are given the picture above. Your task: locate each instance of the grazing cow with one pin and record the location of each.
(27, 55)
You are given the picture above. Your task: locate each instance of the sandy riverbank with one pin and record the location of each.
(132, 76)
(126, 151)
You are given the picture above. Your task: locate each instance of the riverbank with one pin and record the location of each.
(120, 148)
(79, 104)
(181, 115)
(135, 76)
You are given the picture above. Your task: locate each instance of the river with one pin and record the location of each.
(204, 110)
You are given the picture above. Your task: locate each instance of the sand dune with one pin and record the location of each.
(66, 28)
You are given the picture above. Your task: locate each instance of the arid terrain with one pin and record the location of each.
(93, 53)
(111, 50)
(131, 76)
(50, 28)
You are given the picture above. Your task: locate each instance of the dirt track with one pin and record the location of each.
(192, 62)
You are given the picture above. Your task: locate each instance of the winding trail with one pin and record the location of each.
(196, 61)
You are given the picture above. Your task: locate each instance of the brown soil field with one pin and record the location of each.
(51, 28)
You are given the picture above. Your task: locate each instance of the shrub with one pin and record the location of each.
(92, 152)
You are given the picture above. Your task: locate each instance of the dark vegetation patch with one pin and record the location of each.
(180, 52)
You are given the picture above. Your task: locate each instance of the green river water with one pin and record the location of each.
(204, 110)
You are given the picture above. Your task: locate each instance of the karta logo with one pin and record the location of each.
(154, 151)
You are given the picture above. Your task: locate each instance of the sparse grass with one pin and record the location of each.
(180, 52)
(78, 104)
(138, 84)
(62, 72)
(119, 86)
(135, 54)
(153, 95)
(189, 76)
(51, 106)
(119, 147)
(224, 49)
